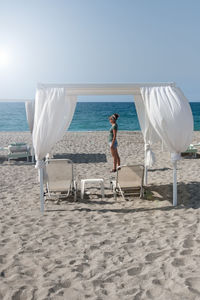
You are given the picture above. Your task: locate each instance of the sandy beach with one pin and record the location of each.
(99, 248)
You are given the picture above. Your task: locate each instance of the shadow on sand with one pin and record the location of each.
(17, 162)
(188, 197)
(83, 158)
(76, 158)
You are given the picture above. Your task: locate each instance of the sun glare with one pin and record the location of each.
(4, 58)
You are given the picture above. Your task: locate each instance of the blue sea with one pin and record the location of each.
(88, 116)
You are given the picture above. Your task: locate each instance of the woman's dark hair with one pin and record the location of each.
(114, 117)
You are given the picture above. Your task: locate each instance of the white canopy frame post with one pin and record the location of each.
(32, 154)
(41, 192)
(41, 173)
(145, 167)
(174, 158)
(174, 184)
(145, 146)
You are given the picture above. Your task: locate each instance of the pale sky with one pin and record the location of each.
(98, 41)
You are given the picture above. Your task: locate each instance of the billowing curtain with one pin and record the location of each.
(149, 134)
(170, 115)
(54, 110)
(30, 111)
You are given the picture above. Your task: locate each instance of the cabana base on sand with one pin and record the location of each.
(163, 112)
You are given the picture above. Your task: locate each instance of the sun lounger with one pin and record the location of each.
(18, 150)
(195, 145)
(129, 181)
(192, 150)
(59, 178)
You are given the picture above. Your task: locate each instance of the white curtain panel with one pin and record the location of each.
(54, 110)
(30, 111)
(149, 134)
(170, 115)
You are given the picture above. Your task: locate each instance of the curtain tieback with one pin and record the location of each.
(150, 156)
(175, 157)
(40, 164)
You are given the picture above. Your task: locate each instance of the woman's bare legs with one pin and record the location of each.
(113, 152)
(116, 158)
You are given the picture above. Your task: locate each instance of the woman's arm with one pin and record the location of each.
(114, 137)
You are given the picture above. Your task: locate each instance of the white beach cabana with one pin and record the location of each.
(163, 112)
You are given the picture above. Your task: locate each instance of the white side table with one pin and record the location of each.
(84, 181)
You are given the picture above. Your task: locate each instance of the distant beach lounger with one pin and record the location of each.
(59, 178)
(18, 150)
(191, 150)
(129, 181)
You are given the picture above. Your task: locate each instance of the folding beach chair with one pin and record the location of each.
(18, 150)
(59, 178)
(129, 181)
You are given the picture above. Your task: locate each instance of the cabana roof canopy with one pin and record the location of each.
(104, 89)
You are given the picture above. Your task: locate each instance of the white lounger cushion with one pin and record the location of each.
(59, 175)
(22, 148)
(130, 176)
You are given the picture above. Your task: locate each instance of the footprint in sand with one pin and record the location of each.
(4, 242)
(106, 242)
(96, 233)
(80, 268)
(156, 281)
(110, 225)
(94, 247)
(131, 240)
(72, 262)
(177, 262)
(60, 285)
(18, 295)
(154, 293)
(186, 252)
(108, 254)
(131, 291)
(134, 271)
(193, 284)
(188, 243)
(153, 256)
(98, 283)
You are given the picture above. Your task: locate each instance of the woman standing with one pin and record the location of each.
(113, 141)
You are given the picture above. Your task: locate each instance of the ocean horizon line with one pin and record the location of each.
(23, 101)
(96, 130)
